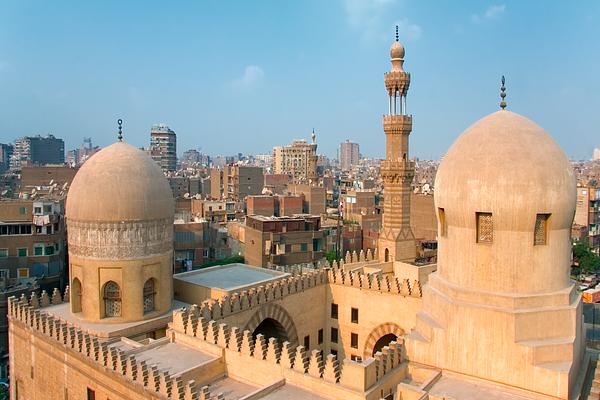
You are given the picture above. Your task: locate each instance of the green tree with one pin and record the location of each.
(330, 256)
(585, 258)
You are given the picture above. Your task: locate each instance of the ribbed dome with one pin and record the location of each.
(119, 183)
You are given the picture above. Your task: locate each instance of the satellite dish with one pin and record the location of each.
(4, 192)
(186, 196)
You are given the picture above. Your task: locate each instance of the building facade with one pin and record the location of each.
(283, 240)
(38, 150)
(235, 182)
(349, 155)
(587, 214)
(298, 159)
(163, 147)
(6, 151)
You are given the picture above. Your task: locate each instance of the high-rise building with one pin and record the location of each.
(38, 150)
(6, 151)
(349, 155)
(163, 147)
(397, 241)
(298, 159)
(596, 155)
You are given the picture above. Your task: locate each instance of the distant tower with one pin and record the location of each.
(397, 242)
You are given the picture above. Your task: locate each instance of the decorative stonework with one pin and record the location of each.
(124, 240)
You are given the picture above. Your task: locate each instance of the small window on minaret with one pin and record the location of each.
(442, 221)
(485, 228)
(540, 232)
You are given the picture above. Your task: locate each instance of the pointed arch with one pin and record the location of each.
(277, 313)
(386, 329)
(112, 299)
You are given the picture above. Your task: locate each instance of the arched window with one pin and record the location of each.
(112, 299)
(75, 291)
(149, 295)
(387, 255)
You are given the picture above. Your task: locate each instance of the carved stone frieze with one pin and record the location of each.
(120, 240)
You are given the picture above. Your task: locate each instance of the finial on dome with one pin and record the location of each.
(120, 123)
(502, 94)
(397, 33)
(314, 136)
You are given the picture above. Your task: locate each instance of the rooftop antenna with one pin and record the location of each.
(120, 122)
(502, 94)
(396, 33)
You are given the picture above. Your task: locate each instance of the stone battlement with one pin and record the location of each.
(349, 379)
(113, 360)
(375, 282)
(342, 273)
(296, 364)
(213, 309)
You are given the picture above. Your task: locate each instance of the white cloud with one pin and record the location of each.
(371, 19)
(408, 30)
(253, 74)
(493, 12)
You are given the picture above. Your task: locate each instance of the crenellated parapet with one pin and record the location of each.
(397, 124)
(297, 364)
(385, 284)
(218, 309)
(114, 361)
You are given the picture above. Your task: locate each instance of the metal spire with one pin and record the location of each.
(502, 94)
(396, 33)
(120, 122)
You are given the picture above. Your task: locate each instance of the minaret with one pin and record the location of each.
(396, 241)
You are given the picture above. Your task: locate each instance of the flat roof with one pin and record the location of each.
(230, 276)
(174, 357)
(106, 328)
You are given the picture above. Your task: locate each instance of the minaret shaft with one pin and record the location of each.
(396, 241)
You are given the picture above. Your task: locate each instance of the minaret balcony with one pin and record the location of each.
(396, 166)
(397, 81)
(397, 124)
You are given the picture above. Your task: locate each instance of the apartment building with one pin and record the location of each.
(587, 214)
(163, 147)
(298, 159)
(283, 240)
(235, 182)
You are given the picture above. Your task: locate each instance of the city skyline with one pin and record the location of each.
(209, 71)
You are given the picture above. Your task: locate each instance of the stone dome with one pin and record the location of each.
(397, 50)
(508, 166)
(119, 183)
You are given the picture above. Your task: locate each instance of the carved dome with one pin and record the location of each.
(509, 168)
(119, 183)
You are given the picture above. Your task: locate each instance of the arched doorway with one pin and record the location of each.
(387, 255)
(271, 328)
(383, 341)
(380, 337)
(274, 319)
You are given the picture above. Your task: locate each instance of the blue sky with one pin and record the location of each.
(243, 76)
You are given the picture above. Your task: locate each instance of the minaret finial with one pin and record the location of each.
(120, 122)
(502, 94)
(397, 33)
